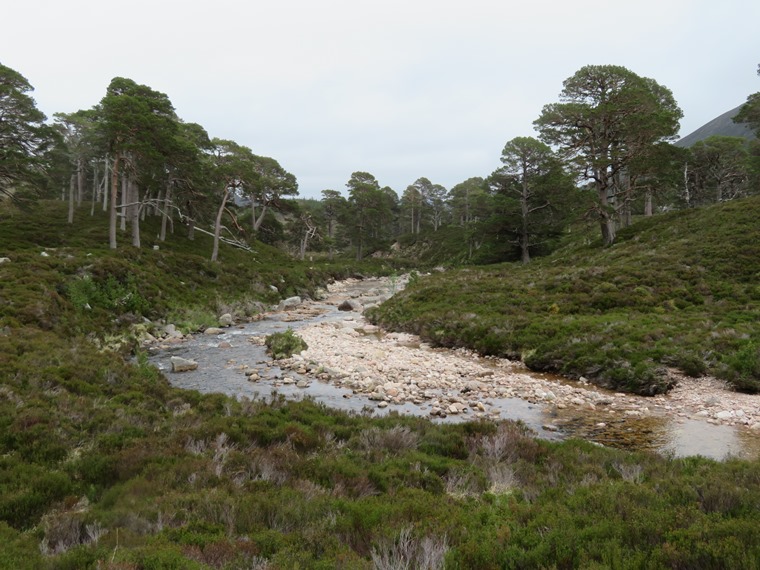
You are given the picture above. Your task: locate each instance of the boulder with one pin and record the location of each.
(180, 364)
(289, 303)
(350, 305)
(172, 332)
(213, 331)
(5, 260)
(226, 320)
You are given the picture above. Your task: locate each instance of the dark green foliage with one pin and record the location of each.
(284, 344)
(678, 290)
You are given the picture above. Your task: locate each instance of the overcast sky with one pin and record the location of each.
(400, 89)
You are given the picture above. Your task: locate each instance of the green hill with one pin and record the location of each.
(679, 290)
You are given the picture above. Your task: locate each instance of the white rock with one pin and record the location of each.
(226, 320)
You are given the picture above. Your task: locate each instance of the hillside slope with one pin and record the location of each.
(678, 290)
(722, 125)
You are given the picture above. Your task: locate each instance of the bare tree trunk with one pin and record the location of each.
(167, 212)
(72, 183)
(218, 225)
(257, 221)
(687, 195)
(134, 196)
(95, 188)
(648, 208)
(114, 197)
(124, 202)
(105, 186)
(80, 182)
(142, 208)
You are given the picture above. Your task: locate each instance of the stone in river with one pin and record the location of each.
(180, 364)
(350, 305)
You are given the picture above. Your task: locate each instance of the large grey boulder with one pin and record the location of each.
(226, 320)
(180, 364)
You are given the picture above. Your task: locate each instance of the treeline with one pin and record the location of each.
(604, 151)
(611, 158)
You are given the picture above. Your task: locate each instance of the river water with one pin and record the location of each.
(226, 360)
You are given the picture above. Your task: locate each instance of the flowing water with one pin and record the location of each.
(225, 360)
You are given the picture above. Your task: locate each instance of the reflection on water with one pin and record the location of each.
(674, 437)
(695, 437)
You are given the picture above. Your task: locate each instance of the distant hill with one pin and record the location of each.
(721, 126)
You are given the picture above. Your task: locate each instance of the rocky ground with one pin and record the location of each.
(394, 368)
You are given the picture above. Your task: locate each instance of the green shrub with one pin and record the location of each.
(743, 368)
(284, 344)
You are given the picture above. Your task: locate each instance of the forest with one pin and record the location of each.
(604, 153)
(598, 249)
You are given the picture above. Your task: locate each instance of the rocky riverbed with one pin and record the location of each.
(396, 371)
(393, 368)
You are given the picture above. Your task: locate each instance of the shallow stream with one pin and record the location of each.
(225, 360)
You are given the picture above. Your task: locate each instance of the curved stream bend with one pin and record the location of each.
(354, 366)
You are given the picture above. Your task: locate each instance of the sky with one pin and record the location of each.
(399, 89)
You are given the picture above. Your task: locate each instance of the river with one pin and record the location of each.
(352, 366)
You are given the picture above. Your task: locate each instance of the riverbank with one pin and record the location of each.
(393, 369)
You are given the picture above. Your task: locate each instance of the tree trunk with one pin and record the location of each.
(72, 183)
(218, 225)
(648, 208)
(257, 221)
(330, 232)
(606, 222)
(95, 188)
(114, 197)
(134, 195)
(80, 182)
(166, 212)
(124, 202)
(105, 186)
(525, 234)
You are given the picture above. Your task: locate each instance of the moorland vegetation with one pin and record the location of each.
(103, 464)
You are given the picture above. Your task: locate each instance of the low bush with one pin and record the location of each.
(284, 344)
